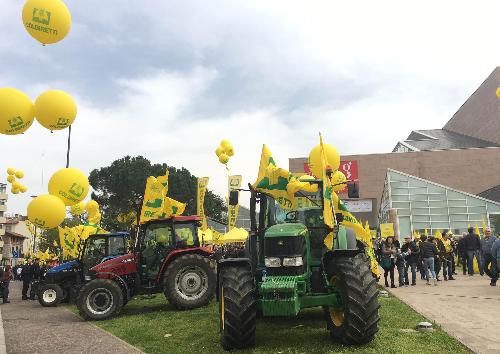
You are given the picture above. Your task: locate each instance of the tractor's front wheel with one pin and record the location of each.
(189, 281)
(356, 321)
(237, 310)
(50, 295)
(100, 299)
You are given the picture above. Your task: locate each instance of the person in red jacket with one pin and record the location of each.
(7, 277)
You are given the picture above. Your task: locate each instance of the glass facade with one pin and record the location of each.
(421, 204)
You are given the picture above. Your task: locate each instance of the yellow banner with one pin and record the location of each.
(200, 200)
(152, 205)
(386, 230)
(328, 217)
(234, 183)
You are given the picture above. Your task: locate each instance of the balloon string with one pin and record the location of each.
(69, 146)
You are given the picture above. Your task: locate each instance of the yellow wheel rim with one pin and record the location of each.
(337, 316)
(222, 309)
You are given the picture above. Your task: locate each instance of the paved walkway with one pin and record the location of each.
(466, 308)
(31, 328)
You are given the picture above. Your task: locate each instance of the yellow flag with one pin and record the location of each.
(153, 203)
(200, 200)
(477, 231)
(172, 207)
(164, 181)
(484, 226)
(328, 209)
(438, 235)
(233, 183)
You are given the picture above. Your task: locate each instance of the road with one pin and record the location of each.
(466, 308)
(31, 328)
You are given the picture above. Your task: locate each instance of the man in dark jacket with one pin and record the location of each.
(473, 247)
(429, 251)
(439, 262)
(27, 277)
(488, 261)
(412, 252)
(462, 254)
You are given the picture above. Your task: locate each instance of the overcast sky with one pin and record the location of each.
(169, 79)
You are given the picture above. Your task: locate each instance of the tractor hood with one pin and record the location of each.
(64, 267)
(284, 230)
(112, 265)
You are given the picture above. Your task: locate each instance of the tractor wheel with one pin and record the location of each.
(100, 299)
(189, 281)
(50, 295)
(357, 322)
(237, 310)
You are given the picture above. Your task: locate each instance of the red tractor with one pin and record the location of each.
(167, 258)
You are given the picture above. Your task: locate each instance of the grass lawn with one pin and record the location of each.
(155, 327)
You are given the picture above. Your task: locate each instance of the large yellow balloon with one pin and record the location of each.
(498, 92)
(11, 171)
(338, 181)
(19, 174)
(55, 109)
(223, 158)
(16, 111)
(92, 207)
(332, 159)
(69, 184)
(46, 211)
(48, 21)
(77, 209)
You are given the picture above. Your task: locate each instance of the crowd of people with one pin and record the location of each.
(435, 256)
(29, 273)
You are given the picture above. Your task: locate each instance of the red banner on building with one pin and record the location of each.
(349, 168)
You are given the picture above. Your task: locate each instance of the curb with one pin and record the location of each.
(101, 330)
(3, 346)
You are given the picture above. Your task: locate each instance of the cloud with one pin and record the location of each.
(169, 80)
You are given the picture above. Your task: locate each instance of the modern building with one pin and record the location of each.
(413, 203)
(463, 156)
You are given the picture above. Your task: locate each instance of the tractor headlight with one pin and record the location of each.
(272, 262)
(293, 262)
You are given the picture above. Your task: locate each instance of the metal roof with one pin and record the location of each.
(441, 139)
(492, 194)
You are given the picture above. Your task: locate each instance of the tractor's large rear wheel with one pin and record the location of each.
(356, 322)
(237, 310)
(190, 281)
(100, 299)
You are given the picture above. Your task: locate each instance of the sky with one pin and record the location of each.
(168, 80)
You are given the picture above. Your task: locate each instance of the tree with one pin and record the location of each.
(119, 189)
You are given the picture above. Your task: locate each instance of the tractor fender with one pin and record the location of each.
(118, 279)
(202, 251)
(226, 262)
(345, 245)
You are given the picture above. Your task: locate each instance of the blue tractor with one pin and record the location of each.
(63, 282)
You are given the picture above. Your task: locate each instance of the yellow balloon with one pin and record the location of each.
(46, 211)
(219, 151)
(229, 150)
(48, 21)
(78, 208)
(95, 218)
(14, 190)
(55, 109)
(16, 185)
(19, 174)
(16, 112)
(332, 159)
(224, 144)
(223, 158)
(11, 178)
(92, 207)
(69, 184)
(11, 171)
(23, 189)
(338, 181)
(498, 92)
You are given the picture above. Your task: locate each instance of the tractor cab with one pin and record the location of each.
(160, 237)
(102, 247)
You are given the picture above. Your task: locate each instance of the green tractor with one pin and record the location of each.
(287, 268)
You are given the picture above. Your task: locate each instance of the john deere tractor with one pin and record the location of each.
(287, 267)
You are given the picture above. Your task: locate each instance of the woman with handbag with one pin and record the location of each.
(388, 259)
(7, 277)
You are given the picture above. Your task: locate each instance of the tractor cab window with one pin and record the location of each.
(186, 235)
(157, 238)
(117, 245)
(94, 252)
